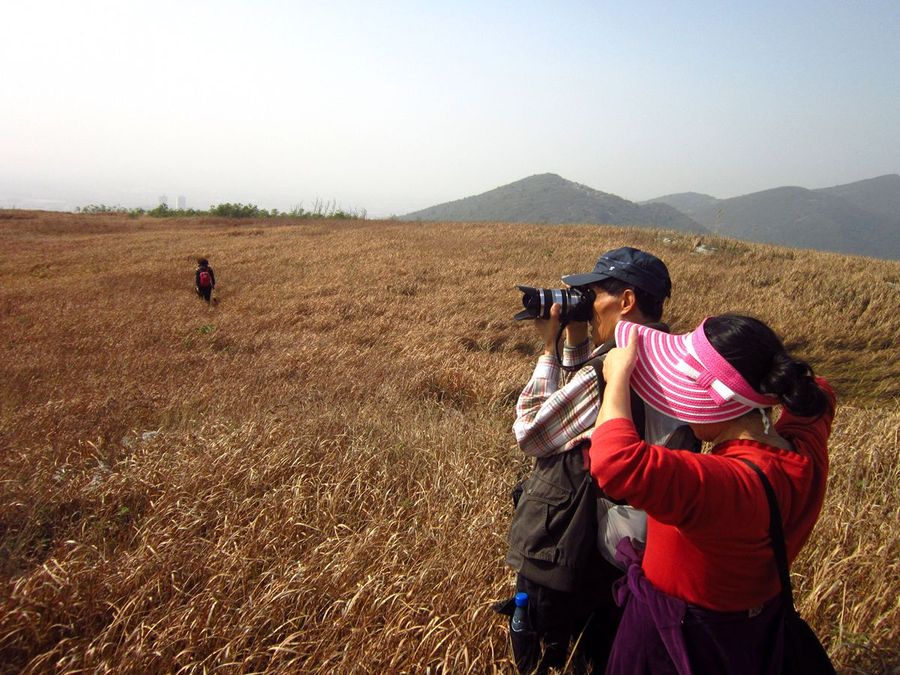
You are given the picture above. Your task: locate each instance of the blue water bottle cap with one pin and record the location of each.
(521, 599)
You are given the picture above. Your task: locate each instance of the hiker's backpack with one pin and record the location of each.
(205, 279)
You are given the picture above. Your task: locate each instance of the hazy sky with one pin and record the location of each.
(394, 106)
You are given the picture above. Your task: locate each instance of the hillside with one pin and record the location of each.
(794, 216)
(880, 196)
(861, 218)
(313, 475)
(548, 198)
(686, 202)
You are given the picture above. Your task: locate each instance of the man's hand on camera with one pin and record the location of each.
(548, 329)
(577, 331)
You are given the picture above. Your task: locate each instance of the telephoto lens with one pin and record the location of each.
(576, 303)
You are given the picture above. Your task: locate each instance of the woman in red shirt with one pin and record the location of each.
(705, 598)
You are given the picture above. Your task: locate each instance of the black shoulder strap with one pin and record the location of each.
(776, 534)
(596, 363)
(638, 415)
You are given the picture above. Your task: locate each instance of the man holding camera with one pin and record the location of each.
(561, 515)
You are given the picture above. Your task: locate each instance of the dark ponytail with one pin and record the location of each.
(759, 356)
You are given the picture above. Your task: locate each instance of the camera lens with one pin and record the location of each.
(576, 303)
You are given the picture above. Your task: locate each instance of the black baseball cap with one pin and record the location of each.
(640, 269)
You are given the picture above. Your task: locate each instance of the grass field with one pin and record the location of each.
(313, 475)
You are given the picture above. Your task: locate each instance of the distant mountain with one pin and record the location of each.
(878, 195)
(686, 202)
(548, 198)
(858, 218)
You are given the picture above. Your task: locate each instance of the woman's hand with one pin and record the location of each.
(617, 368)
(548, 329)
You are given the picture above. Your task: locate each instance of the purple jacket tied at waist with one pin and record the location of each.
(662, 634)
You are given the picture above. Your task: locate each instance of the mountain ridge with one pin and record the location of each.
(551, 199)
(862, 217)
(858, 218)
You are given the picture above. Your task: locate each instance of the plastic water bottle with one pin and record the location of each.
(520, 623)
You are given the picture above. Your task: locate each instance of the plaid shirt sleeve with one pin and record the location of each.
(554, 416)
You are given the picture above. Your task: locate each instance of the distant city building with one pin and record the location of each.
(163, 200)
(180, 203)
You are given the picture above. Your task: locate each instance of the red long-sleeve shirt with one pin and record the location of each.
(708, 518)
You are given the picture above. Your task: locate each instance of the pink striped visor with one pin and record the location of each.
(684, 377)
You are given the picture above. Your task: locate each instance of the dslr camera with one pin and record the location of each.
(577, 303)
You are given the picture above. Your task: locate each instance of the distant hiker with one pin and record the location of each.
(204, 279)
(561, 516)
(706, 594)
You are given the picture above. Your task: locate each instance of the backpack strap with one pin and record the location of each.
(638, 414)
(776, 535)
(597, 364)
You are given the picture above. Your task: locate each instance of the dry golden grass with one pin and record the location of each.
(328, 487)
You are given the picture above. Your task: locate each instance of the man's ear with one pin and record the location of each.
(627, 301)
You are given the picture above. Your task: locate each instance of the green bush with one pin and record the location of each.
(238, 210)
